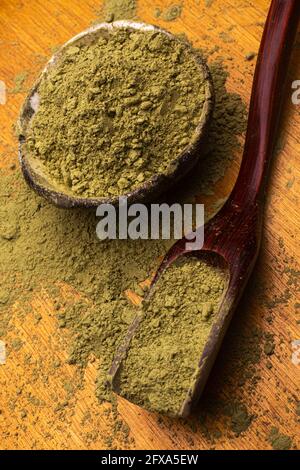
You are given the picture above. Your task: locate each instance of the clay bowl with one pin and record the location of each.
(35, 172)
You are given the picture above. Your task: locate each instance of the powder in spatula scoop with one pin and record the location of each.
(162, 361)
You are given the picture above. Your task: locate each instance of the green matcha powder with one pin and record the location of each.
(116, 112)
(162, 362)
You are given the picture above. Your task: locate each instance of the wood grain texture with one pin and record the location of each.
(29, 31)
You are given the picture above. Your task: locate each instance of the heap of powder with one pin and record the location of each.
(162, 361)
(43, 246)
(116, 112)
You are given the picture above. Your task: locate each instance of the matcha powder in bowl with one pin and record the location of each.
(121, 109)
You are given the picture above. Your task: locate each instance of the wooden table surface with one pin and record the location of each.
(30, 29)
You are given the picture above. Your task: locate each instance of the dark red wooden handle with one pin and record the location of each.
(267, 93)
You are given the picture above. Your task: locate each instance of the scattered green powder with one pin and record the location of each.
(157, 12)
(16, 344)
(226, 37)
(4, 297)
(172, 12)
(245, 347)
(250, 56)
(240, 418)
(269, 346)
(290, 183)
(19, 81)
(114, 113)
(114, 10)
(229, 121)
(23, 414)
(280, 144)
(279, 441)
(162, 361)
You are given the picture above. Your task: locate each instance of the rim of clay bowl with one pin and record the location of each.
(36, 174)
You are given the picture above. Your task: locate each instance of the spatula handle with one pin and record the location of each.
(266, 99)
